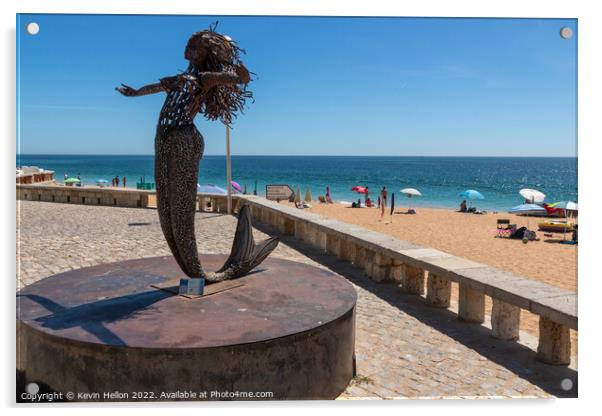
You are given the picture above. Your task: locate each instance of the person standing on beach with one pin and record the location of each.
(124, 181)
(366, 196)
(328, 197)
(383, 196)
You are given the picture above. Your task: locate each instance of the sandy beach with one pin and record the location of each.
(472, 236)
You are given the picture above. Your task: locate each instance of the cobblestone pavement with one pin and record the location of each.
(404, 349)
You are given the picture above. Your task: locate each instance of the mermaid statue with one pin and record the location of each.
(215, 84)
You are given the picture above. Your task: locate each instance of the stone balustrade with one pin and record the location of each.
(418, 270)
(122, 197)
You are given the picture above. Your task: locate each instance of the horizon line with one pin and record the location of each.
(288, 155)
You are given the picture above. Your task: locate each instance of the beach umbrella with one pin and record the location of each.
(297, 199)
(410, 192)
(359, 189)
(308, 198)
(72, 180)
(472, 194)
(236, 186)
(526, 209)
(532, 195)
(566, 205)
(210, 189)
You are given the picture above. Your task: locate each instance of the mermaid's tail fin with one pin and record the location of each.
(245, 254)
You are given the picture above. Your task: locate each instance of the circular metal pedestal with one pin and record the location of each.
(286, 329)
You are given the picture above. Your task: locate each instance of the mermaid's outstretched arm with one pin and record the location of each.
(165, 84)
(146, 90)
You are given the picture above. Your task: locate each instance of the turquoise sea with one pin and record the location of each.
(440, 179)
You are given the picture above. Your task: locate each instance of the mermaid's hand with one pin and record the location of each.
(127, 90)
(243, 74)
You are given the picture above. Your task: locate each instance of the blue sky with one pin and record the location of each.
(324, 86)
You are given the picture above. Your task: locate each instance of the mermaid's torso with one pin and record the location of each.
(182, 101)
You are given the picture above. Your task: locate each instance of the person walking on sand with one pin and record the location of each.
(366, 196)
(383, 196)
(124, 181)
(328, 197)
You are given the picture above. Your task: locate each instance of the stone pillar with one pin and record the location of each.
(359, 259)
(412, 280)
(347, 250)
(505, 320)
(368, 261)
(333, 244)
(471, 305)
(438, 292)
(300, 230)
(236, 204)
(144, 200)
(381, 268)
(308, 233)
(265, 216)
(320, 239)
(289, 226)
(396, 271)
(277, 221)
(219, 205)
(554, 342)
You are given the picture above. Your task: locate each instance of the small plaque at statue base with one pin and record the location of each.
(175, 286)
(194, 286)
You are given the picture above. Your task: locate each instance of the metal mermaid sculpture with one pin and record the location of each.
(215, 85)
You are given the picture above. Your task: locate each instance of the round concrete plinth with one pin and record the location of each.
(287, 329)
